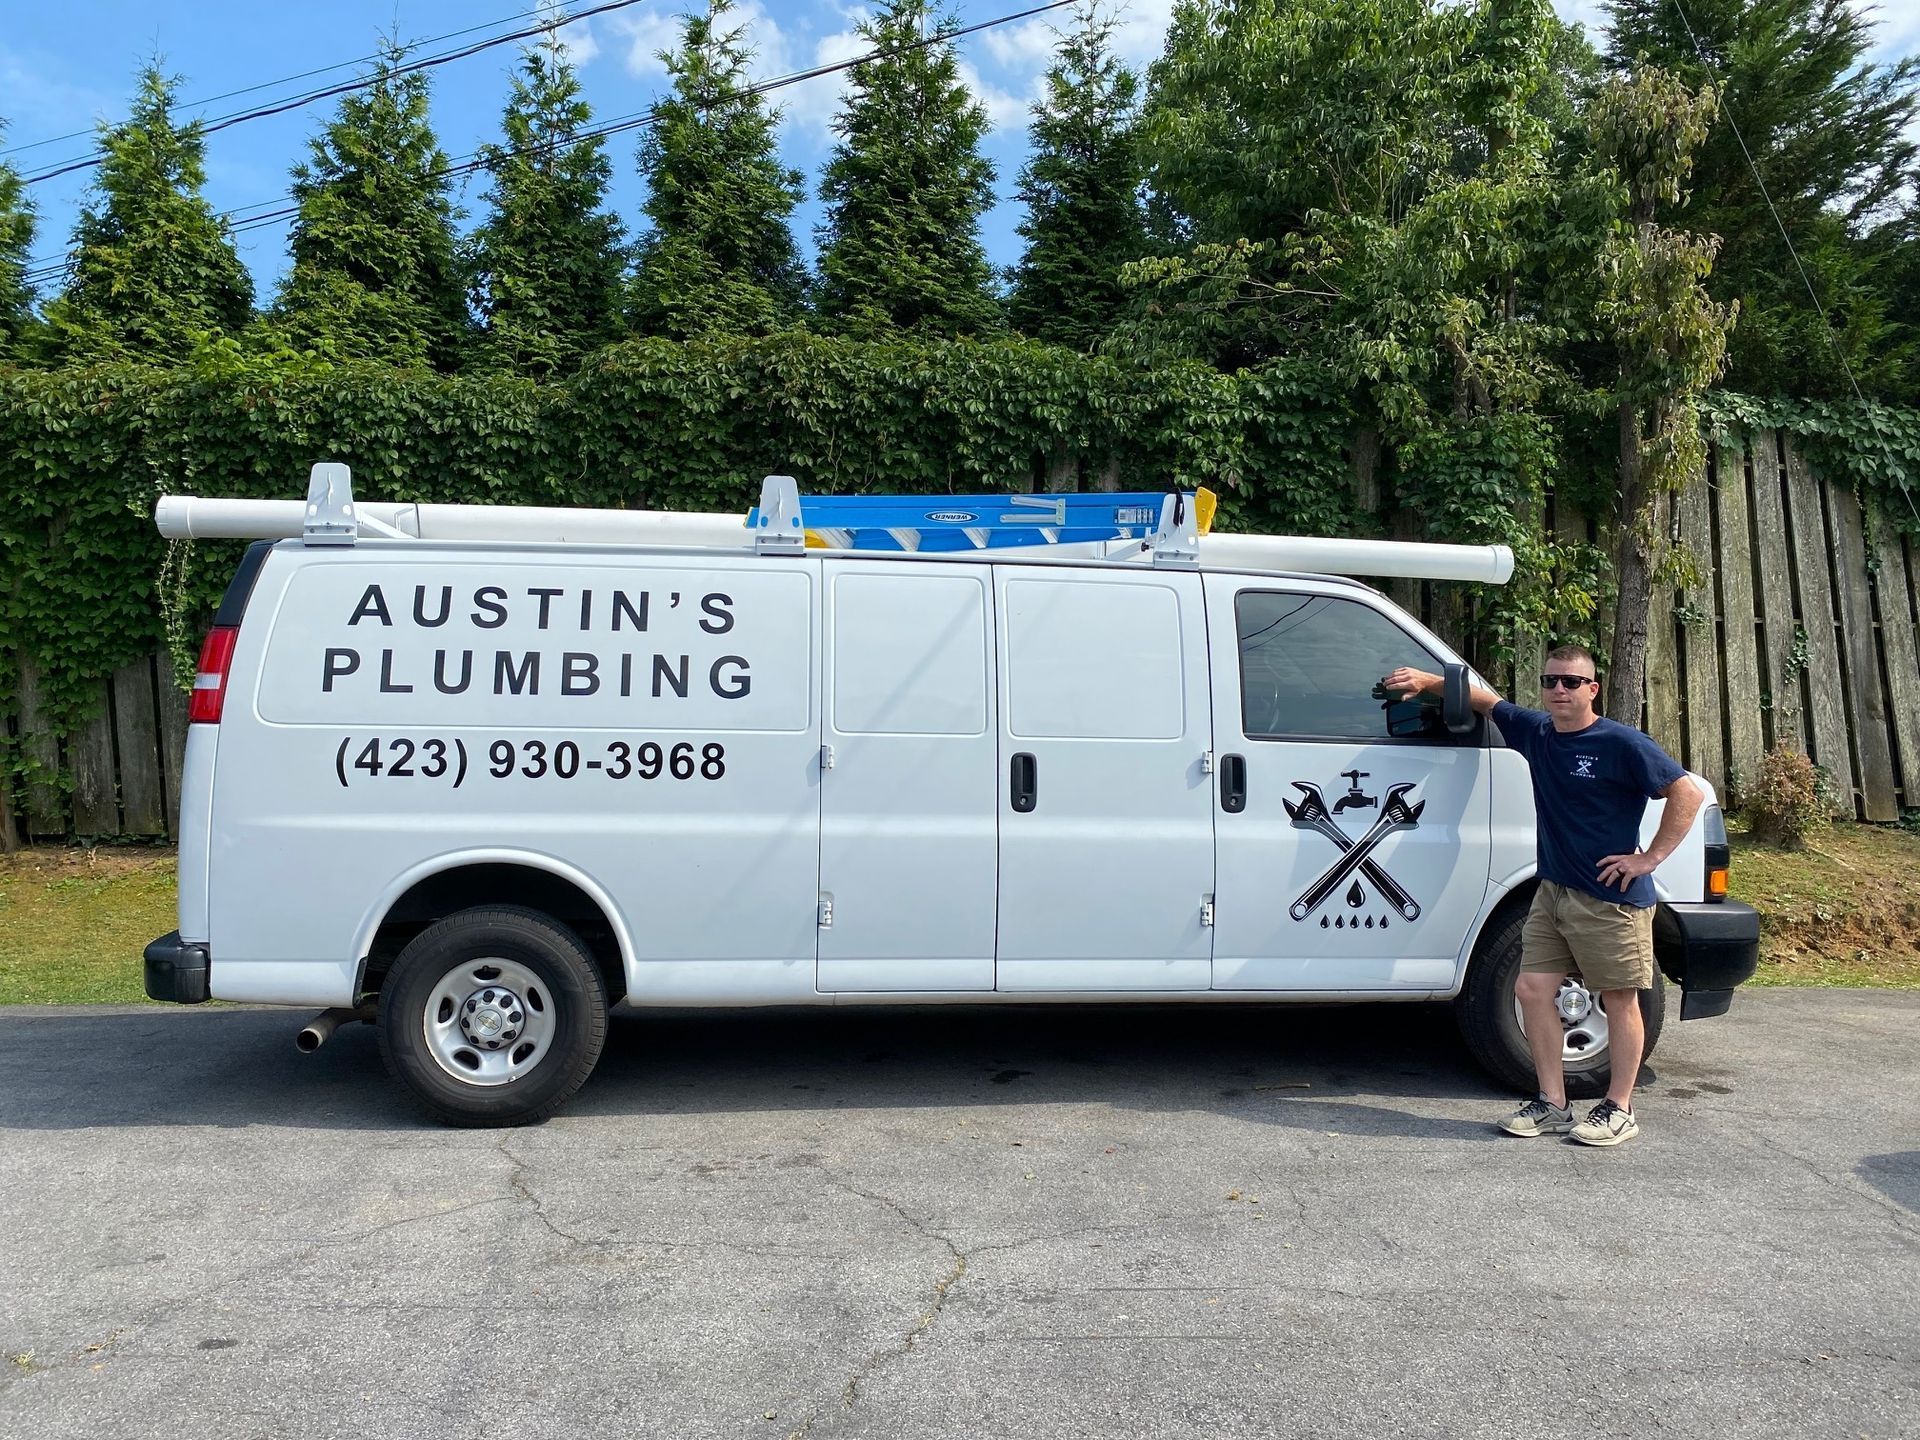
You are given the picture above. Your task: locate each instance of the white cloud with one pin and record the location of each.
(807, 109)
(1025, 46)
(578, 44)
(39, 104)
(1004, 111)
(643, 36)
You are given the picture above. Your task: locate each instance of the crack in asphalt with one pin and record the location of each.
(850, 1392)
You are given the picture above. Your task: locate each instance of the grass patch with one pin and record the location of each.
(1844, 911)
(74, 921)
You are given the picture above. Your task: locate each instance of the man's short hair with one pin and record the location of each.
(1575, 652)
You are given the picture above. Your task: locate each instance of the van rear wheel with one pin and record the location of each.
(1489, 1018)
(493, 1016)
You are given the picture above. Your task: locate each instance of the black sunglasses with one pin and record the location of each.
(1571, 682)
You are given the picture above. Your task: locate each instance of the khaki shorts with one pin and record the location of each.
(1569, 932)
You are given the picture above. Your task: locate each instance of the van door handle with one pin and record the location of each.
(1026, 782)
(1233, 783)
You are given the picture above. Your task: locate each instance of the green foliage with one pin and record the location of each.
(1082, 192)
(1783, 799)
(546, 261)
(375, 271)
(904, 192)
(694, 425)
(1874, 448)
(17, 325)
(1831, 134)
(720, 258)
(154, 270)
(1667, 334)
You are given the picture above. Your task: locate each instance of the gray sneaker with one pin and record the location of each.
(1606, 1124)
(1539, 1117)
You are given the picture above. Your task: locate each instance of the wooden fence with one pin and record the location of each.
(1805, 627)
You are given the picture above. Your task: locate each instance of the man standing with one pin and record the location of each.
(1593, 912)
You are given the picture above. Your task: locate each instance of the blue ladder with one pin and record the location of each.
(935, 523)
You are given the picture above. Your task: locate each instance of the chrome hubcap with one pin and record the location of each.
(489, 1021)
(1583, 1024)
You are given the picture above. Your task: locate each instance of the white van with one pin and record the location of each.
(481, 774)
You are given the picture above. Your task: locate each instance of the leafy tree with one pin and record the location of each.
(376, 274)
(905, 190)
(154, 269)
(1082, 191)
(1831, 137)
(720, 257)
(16, 243)
(1668, 334)
(1373, 189)
(546, 261)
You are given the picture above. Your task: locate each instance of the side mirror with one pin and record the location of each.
(1456, 705)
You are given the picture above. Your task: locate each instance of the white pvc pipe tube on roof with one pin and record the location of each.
(181, 517)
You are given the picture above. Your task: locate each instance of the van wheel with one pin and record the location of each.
(493, 1016)
(1489, 1018)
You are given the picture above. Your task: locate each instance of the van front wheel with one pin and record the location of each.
(493, 1016)
(1489, 1018)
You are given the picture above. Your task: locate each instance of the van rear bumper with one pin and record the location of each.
(1707, 948)
(176, 970)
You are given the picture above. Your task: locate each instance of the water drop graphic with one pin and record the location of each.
(1369, 922)
(1340, 923)
(1323, 922)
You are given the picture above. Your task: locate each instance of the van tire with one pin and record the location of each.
(1491, 1029)
(564, 995)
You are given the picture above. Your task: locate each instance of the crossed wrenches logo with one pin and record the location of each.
(1395, 814)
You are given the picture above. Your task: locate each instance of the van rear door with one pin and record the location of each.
(907, 789)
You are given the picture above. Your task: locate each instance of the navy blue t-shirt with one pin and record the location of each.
(1590, 790)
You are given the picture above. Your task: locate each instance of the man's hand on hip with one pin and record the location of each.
(1623, 870)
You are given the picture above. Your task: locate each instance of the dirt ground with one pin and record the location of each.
(1845, 911)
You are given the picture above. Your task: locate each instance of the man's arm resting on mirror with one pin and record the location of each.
(1408, 682)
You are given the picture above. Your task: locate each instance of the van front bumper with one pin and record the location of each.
(176, 970)
(1706, 948)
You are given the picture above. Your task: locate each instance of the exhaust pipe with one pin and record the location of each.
(320, 1029)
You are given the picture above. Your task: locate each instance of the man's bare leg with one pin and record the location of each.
(1626, 1043)
(1536, 993)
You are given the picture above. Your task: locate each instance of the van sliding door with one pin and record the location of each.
(1106, 820)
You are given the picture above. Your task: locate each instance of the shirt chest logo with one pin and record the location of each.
(1583, 766)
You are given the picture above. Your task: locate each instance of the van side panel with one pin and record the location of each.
(650, 723)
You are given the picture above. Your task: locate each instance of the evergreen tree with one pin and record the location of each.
(1830, 135)
(1082, 191)
(546, 262)
(719, 257)
(375, 269)
(905, 190)
(16, 242)
(154, 270)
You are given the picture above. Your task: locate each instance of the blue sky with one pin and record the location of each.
(62, 67)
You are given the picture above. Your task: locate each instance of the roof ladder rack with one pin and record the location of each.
(1165, 526)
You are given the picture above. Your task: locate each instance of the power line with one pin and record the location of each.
(225, 122)
(283, 80)
(635, 121)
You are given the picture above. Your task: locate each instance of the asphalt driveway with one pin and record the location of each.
(971, 1223)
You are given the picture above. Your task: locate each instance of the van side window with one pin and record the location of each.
(1309, 665)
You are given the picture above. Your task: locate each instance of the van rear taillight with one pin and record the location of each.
(210, 684)
(1719, 857)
